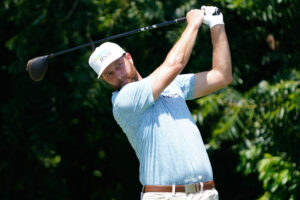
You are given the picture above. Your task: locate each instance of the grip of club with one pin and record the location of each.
(181, 19)
(217, 11)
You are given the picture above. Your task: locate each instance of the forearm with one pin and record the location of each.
(178, 56)
(181, 51)
(221, 53)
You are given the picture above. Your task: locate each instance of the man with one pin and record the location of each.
(153, 114)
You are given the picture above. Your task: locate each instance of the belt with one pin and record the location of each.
(189, 188)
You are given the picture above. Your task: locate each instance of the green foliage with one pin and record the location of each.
(58, 138)
(280, 178)
(259, 114)
(264, 124)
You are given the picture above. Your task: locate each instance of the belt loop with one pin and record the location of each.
(142, 192)
(173, 190)
(201, 185)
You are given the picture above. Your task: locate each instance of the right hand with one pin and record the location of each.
(195, 17)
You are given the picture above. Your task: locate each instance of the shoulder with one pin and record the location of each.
(185, 83)
(184, 79)
(129, 89)
(134, 96)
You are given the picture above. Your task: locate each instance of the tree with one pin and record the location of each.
(259, 113)
(58, 138)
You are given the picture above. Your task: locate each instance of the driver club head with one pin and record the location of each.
(37, 67)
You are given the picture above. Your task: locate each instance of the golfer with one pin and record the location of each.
(153, 113)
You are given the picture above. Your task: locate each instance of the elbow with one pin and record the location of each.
(227, 75)
(225, 78)
(178, 66)
(175, 64)
(228, 79)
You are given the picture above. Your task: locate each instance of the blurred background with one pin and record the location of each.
(58, 138)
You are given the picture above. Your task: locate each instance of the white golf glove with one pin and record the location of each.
(210, 19)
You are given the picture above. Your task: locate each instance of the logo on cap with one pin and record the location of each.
(103, 55)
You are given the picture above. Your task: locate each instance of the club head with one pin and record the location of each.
(37, 67)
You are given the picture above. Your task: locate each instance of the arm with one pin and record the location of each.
(178, 56)
(220, 75)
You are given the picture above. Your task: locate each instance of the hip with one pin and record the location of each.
(211, 194)
(197, 191)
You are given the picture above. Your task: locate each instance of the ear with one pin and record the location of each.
(128, 56)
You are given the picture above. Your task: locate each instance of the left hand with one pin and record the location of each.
(210, 19)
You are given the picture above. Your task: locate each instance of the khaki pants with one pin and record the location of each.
(204, 195)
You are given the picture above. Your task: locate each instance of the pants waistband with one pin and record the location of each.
(189, 188)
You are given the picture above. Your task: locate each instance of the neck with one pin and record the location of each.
(139, 77)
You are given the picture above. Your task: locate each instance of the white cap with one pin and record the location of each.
(104, 55)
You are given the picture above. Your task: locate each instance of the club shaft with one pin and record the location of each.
(120, 35)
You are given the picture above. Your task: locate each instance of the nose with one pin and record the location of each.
(119, 74)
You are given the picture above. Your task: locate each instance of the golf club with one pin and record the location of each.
(37, 67)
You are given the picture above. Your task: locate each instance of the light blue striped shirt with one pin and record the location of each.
(163, 133)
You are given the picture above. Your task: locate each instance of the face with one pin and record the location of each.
(120, 72)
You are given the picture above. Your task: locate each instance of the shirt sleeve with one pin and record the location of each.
(133, 98)
(186, 83)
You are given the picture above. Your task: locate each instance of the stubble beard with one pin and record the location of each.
(132, 76)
